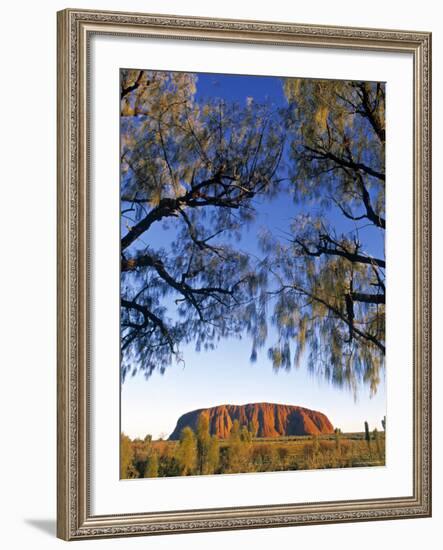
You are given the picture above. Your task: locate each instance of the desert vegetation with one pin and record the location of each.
(198, 452)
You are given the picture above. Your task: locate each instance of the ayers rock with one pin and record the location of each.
(272, 420)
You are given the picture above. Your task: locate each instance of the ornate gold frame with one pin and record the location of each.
(75, 28)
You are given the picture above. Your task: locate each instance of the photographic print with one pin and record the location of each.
(221, 242)
(252, 325)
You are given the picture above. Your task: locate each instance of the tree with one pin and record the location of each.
(377, 443)
(330, 274)
(368, 436)
(234, 432)
(203, 443)
(337, 434)
(213, 455)
(239, 449)
(234, 463)
(141, 449)
(253, 427)
(245, 435)
(196, 168)
(152, 465)
(187, 452)
(127, 469)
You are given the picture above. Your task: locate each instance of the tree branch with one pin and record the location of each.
(365, 335)
(125, 91)
(369, 112)
(368, 298)
(347, 163)
(148, 316)
(338, 250)
(371, 214)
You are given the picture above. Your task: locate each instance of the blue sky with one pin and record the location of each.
(226, 375)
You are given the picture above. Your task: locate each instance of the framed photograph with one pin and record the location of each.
(243, 274)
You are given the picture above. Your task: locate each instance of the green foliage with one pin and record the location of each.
(213, 455)
(187, 452)
(203, 443)
(127, 469)
(331, 294)
(199, 168)
(237, 455)
(235, 431)
(253, 428)
(152, 466)
(245, 435)
(264, 458)
(337, 433)
(239, 449)
(169, 466)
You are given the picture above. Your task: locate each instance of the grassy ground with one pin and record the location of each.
(327, 451)
(293, 453)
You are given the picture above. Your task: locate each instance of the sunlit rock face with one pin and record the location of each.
(267, 419)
